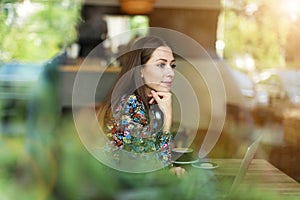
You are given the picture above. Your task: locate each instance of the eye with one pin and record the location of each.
(161, 65)
(173, 65)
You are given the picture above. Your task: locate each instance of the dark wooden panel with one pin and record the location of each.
(201, 25)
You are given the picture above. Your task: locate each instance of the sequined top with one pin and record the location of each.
(134, 130)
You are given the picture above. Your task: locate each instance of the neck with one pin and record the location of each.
(147, 89)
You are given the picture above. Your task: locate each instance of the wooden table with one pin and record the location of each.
(261, 174)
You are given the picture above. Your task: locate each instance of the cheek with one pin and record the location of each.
(153, 77)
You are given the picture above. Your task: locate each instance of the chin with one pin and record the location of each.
(163, 89)
(160, 88)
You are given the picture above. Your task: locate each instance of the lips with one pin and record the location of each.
(167, 83)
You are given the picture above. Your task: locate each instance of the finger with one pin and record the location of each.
(155, 96)
(163, 94)
(180, 171)
(151, 101)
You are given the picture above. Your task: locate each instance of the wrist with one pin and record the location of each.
(167, 128)
(167, 124)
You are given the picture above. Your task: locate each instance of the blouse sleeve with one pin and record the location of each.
(132, 131)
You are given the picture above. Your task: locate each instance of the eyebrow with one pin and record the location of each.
(165, 60)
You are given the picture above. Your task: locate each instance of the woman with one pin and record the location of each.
(137, 113)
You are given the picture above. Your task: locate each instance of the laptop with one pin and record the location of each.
(226, 184)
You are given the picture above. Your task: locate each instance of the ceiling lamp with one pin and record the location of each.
(137, 6)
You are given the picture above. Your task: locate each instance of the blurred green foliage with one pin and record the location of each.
(38, 30)
(139, 25)
(261, 29)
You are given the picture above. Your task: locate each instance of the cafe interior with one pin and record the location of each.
(237, 81)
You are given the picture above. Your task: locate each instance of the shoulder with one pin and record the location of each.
(134, 97)
(133, 101)
(129, 104)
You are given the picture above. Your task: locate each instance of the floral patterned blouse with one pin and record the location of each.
(132, 130)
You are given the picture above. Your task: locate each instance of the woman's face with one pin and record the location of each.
(158, 73)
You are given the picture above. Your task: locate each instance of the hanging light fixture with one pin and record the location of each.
(137, 6)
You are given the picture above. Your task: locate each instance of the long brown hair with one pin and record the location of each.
(129, 80)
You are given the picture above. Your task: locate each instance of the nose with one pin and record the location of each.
(170, 71)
